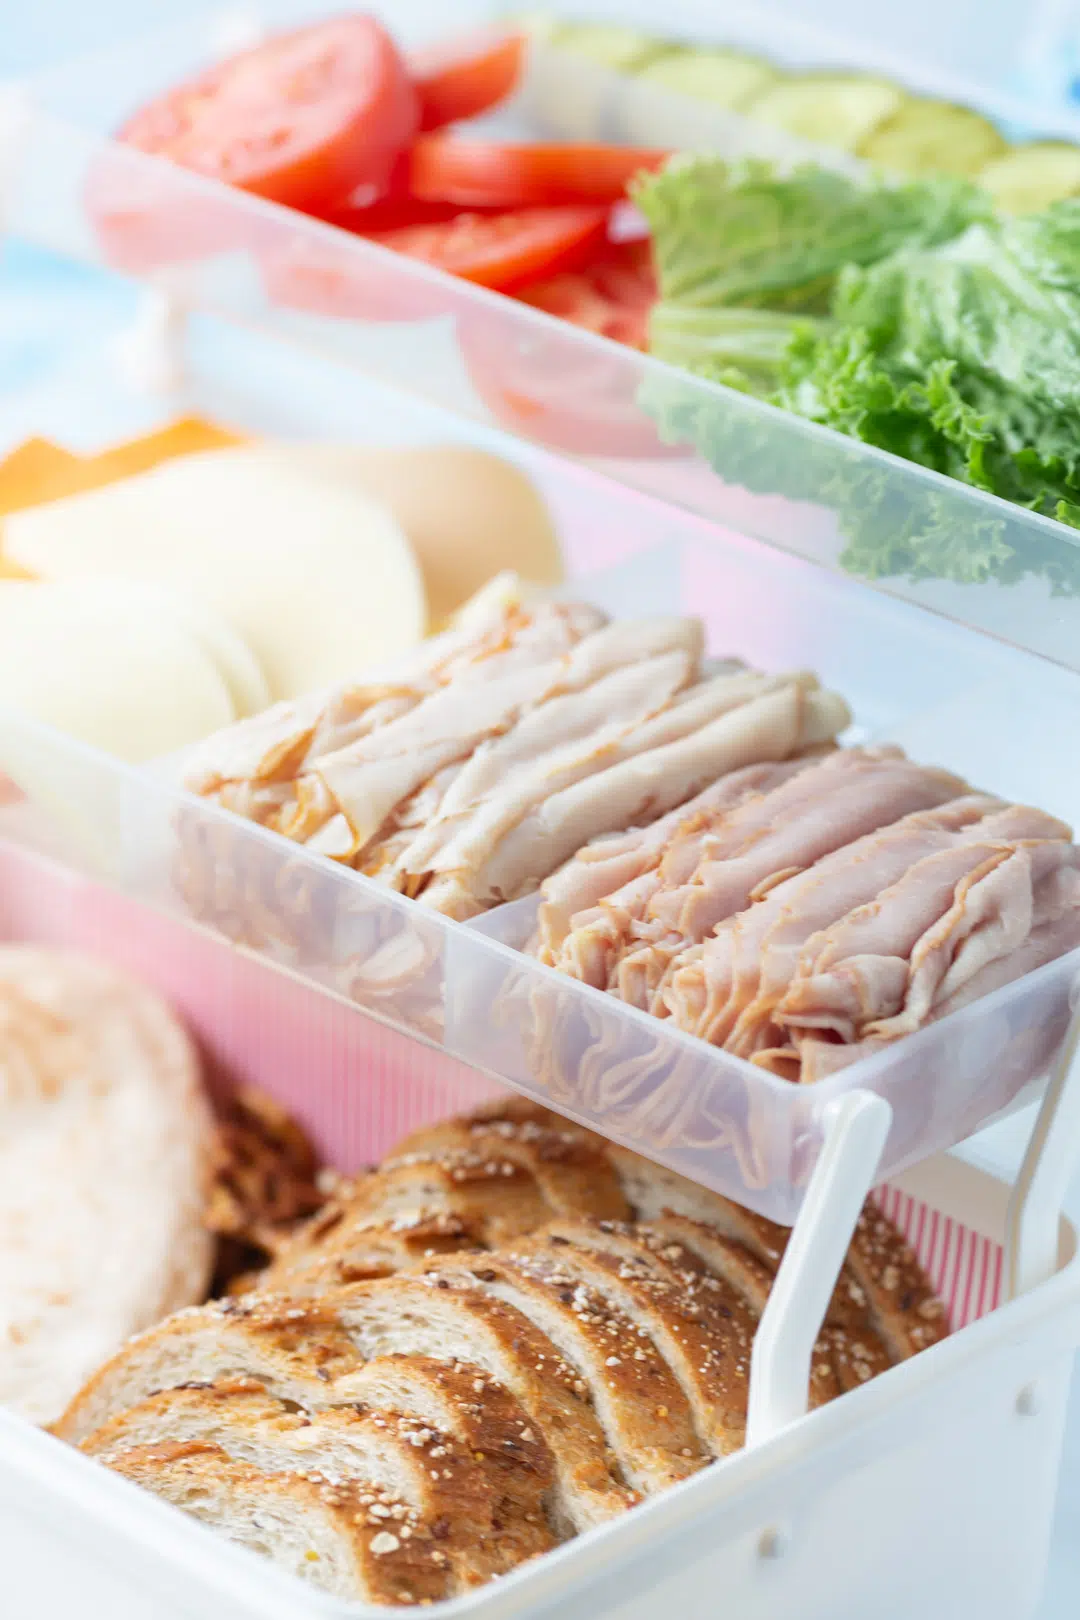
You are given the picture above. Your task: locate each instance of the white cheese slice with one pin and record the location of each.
(319, 581)
(109, 664)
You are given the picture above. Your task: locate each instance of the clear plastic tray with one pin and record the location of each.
(942, 691)
(804, 490)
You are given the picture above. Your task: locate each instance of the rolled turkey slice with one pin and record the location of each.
(555, 745)
(863, 966)
(765, 842)
(772, 725)
(494, 634)
(750, 960)
(992, 914)
(603, 868)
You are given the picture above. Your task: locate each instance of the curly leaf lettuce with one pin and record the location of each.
(956, 347)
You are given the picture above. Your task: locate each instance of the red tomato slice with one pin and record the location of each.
(503, 250)
(302, 119)
(466, 76)
(611, 296)
(389, 213)
(491, 174)
(559, 390)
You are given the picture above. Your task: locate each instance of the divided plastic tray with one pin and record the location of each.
(999, 716)
(481, 355)
(927, 1491)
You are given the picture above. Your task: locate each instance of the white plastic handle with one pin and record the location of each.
(150, 353)
(1033, 1222)
(855, 1128)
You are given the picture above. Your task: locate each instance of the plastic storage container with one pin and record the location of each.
(769, 475)
(928, 1490)
(943, 692)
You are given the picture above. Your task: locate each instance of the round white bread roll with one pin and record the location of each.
(109, 664)
(105, 1140)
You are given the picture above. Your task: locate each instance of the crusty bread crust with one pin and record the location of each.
(513, 1329)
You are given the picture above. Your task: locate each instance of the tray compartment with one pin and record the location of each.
(485, 357)
(926, 1481)
(947, 694)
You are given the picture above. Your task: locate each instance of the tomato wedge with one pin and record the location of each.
(302, 119)
(612, 295)
(466, 76)
(503, 250)
(492, 174)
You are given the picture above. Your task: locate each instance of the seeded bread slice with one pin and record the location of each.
(575, 1176)
(295, 1348)
(432, 1473)
(322, 1532)
(707, 1351)
(453, 1320)
(496, 1198)
(881, 1290)
(341, 1246)
(463, 1400)
(644, 1414)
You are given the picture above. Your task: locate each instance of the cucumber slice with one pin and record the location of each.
(723, 78)
(607, 44)
(1033, 177)
(840, 110)
(932, 137)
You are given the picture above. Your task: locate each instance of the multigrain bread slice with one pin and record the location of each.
(455, 1321)
(442, 1482)
(341, 1246)
(493, 1195)
(705, 1353)
(882, 1296)
(463, 1400)
(297, 1349)
(313, 1353)
(326, 1533)
(644, 1413)
(575, 1176)
(843, 1356)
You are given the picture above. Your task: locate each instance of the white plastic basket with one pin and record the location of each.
(928, 1491)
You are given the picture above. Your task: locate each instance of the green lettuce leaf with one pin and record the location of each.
(952, 339)
(740, 235)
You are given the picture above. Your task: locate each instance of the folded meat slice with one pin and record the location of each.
(766, 841)
(892, 954)
(605, 946)
(621, 650)
(747, 964)
(558, 743)
(991, 916)
(845, 796)
(497, 634)
(603, 868)
(660, 775)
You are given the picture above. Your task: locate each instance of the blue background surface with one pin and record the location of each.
(47, 308)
